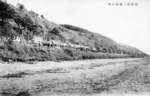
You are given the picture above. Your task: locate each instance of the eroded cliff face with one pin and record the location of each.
(26, 35)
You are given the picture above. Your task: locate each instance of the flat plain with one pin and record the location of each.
(98, 77)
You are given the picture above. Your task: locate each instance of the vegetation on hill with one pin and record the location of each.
(19, 28)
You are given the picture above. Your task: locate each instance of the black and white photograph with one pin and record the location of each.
(74, 47)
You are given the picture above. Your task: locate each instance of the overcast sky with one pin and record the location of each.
(124, 24)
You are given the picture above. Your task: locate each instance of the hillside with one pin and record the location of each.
(28, 36)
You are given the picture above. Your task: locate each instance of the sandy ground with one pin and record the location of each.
(99, 77)
(6, 68)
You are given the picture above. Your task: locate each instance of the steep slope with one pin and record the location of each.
(27, 36)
